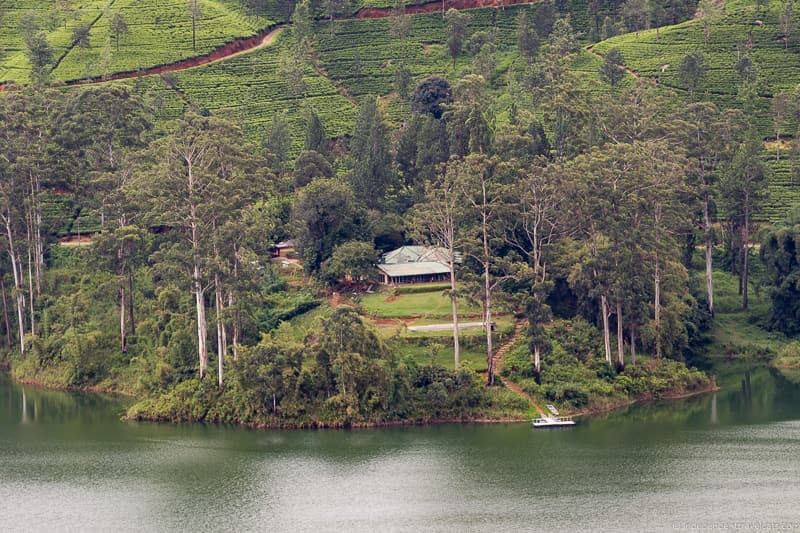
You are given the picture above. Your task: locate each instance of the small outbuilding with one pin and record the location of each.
(282, 249)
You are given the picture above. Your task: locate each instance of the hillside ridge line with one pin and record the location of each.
(264, 37)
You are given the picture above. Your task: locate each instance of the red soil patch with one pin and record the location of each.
(75, 240)
(393, 321)
(334, 300)
(391, 298)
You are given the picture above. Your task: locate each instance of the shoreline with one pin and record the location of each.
(91, 389)
(432, 421)
(646, 399)
(299, 425)
(416, 422)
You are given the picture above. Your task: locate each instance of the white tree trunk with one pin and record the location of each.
(657, 306)
(234, 327)
(131, 317)
(487, 289)
(39, 250)
(709, 249)
(199, 295)
(18, 292)
(221, 340)
(606, 331)
(745, 251)
(35, 236)
(122, 329)
(454, 303)
(657, 283)
(620, 338)
(487, 297)
(5, 314)
(30, 290)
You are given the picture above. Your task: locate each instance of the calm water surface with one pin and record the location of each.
(729, 460)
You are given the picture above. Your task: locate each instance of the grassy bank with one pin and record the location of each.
(427, 394)
(740, 336)
(579, 384)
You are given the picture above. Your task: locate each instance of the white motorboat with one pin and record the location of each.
(553, 422)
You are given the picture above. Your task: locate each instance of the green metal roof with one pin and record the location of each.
(414, 269)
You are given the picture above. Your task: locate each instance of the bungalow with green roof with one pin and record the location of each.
(415, 264)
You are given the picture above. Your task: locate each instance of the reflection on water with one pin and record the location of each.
(67, 462)
(714, 416)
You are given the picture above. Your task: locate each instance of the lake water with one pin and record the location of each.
(729, 460)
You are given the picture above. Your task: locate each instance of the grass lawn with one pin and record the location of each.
(505, 325)
(426, 304)
(302, 325)
(734, 328)
(474, 357)
(424, 347)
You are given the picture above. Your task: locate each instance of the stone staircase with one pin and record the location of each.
(498, 362)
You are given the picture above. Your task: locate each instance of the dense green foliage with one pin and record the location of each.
(564, 186)
(779, 253)
(572, 377)
(356, 380)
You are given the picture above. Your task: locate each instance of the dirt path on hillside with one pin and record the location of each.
(230, 50)
(499, 362)
(316, 64)
(265, 38)
(630, 71)
(233, 49)
(76, 240)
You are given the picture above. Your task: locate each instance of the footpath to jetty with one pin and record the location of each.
(499, 362)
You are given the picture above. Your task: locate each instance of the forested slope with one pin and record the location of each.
(579, 196)
(748, 59)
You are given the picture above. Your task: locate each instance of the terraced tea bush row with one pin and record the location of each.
(159, 32)
(251, 90)
(783, 191)
(58, 211)
(742, 31)
(362, 53)
(14, 65)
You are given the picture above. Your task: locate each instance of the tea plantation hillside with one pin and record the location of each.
(19, 16)
(745, 30)
(156, 32)
(159, 32)
(250, 89)
(357, 60)
(360, 58)
(363, 55)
